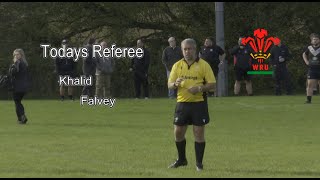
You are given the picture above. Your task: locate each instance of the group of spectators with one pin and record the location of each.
(101, 68)
(241, 54)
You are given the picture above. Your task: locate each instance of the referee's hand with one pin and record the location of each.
(178, 82)
(194, 90)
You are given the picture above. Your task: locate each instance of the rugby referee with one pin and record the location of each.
(192, 77)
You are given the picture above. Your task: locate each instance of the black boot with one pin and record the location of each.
(23, 119)
(178, 163)
(19, 121)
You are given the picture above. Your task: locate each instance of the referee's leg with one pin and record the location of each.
(179, 134)
(199, 145)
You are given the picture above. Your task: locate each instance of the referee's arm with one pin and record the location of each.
(205, 88)
(209, 86)
(173, 78)
(210, 78)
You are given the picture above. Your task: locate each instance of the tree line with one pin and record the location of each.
(27, 25)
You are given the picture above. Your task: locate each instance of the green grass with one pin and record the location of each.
(262, 136)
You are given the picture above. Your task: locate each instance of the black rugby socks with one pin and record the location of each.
(199, 148)
(181, 147)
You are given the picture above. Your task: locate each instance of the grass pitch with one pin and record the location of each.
(262, 136)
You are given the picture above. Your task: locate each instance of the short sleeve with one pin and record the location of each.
(209, 76)
(173, 74)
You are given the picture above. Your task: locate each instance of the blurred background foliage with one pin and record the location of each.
(27, 25)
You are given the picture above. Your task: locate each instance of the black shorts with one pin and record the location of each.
(188, 113)
(313, 74)
(242, 74)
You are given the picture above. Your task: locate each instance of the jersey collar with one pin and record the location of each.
(197, 60)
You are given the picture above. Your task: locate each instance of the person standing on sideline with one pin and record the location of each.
(105, 66)
(65, 67)
(279, 58)
(214, 55)
(242, 64)
(89, 68)
(191, 76)
(20, 81)
(311, 57)
(171, 55)
(140, 67)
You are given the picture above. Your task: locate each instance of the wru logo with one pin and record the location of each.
(260, 46)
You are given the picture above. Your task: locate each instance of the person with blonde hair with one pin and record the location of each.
(20, 82)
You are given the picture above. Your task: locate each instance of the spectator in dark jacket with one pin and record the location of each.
(171, 55)
(214, 55)
(66, 67)
(279, 58)
(140, 68)
(89, 68)
(242, 64)
(20, 81)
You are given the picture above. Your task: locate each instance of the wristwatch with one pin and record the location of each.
(200, 88)
(174, 85)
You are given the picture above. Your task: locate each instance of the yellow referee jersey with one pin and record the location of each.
(197, 74)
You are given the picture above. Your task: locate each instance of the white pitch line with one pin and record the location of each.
(250, 105)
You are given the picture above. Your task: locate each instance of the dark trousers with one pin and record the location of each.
(215, 69)
(17, 97)
(141, 78)
(281, 76)
(89, 90)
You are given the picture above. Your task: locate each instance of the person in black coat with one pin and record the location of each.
(171, 55)
(214, 55)
(280, 56)
(140, 68)
(20, 82)
(242, 64)
(89, 68)
(65, 67)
